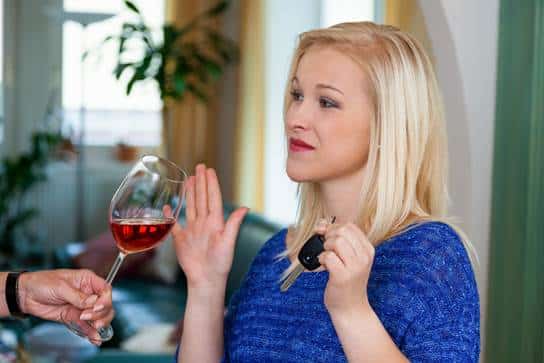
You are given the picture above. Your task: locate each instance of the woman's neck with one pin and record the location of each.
(341, 197)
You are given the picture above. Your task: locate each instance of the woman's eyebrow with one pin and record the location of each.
(327, 86)
(320, 85)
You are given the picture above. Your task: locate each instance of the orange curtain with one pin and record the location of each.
(191, 126)
(408, 16)
(248, 180)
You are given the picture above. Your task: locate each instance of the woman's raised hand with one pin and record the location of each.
(205, 246)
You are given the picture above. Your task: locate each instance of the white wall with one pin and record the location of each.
(464, 39)
(57, 200)
(32, 62)
(284, 21)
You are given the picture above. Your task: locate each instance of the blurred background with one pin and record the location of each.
(88, 86)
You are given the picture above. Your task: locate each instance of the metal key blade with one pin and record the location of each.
(291, 278)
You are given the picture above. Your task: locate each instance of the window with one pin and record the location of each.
(111, 116)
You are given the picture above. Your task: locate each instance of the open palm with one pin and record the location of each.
(205, 246)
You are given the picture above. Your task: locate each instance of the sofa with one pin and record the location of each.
(139, 303)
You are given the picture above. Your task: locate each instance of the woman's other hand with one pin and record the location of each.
(348, 257)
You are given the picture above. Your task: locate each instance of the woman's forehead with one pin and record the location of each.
(326, 65)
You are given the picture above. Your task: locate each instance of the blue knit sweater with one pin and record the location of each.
(421, 286)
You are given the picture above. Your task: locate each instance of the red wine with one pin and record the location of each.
(137, 235)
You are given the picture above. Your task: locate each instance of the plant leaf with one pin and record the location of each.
(108, 38)
(139, 73)
(214, 11)
(131, 84)
(179, 85)
(129, 4)
(214, 70)
(121, 68)
(21, 218)
(170, 34)
(196, 91)
(218, 8)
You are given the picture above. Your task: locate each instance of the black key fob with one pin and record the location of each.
(309, 252)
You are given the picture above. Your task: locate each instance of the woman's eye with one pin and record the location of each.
(327, 103)
(297, 96)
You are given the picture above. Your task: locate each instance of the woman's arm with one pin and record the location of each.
(205, 250)
(348, 257)
(364, 338)
(202, 338)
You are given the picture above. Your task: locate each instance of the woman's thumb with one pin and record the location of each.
(233, 224)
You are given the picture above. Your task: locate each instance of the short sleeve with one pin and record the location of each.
(434, 340)
(447, 329)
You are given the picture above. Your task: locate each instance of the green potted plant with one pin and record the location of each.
(19, 246)
(188, 59)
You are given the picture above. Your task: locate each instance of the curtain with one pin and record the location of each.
(515, 328)
(408, 16)
(248, 181)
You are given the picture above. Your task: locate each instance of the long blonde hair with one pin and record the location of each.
(406, 172)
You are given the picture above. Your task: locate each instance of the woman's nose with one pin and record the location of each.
(299, 119)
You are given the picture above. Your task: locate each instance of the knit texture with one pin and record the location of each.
(421, 286)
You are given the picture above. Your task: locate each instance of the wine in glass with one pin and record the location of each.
(142, 212)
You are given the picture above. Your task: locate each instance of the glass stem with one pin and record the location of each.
(118, 261)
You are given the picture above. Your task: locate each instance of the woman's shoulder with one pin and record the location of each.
(428, 258)
(427, 240)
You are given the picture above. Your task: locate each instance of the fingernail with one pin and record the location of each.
(85, 316)
(91, 300)
(96, 340)
(98, 308)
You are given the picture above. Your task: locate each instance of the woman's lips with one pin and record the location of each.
(297, 145)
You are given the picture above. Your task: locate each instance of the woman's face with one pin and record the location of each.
(328, 121)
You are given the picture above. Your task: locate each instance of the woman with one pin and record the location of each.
(365, 130)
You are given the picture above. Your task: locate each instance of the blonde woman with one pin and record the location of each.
(365, 131)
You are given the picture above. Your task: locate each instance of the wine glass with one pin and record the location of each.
(142, 212)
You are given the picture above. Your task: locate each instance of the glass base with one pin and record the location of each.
(105, 333)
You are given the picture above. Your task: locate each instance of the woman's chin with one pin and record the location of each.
(298, 176)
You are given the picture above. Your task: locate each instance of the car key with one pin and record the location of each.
(307, 258)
